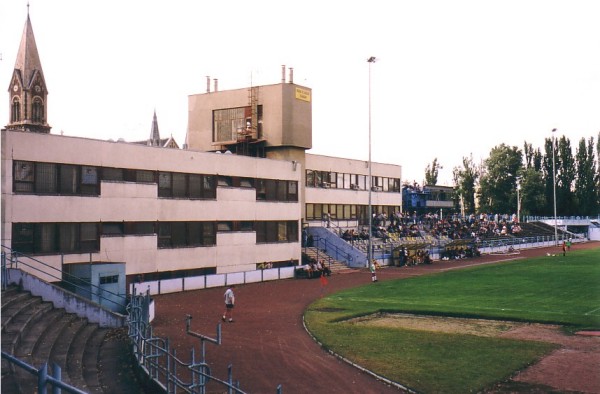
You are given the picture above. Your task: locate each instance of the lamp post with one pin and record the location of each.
(370, 60)
(554, 189)
(518, 200)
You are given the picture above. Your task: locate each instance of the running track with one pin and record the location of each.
(267, 344)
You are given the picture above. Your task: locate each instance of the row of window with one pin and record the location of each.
(347, 211)
(69, 179)
(50, 238)
(37, 110)
(339, 180)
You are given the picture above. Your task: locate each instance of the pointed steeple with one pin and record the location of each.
(154, 134)
(27, 91)
(28, 58)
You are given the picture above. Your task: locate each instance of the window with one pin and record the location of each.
(46, 178)
(247, 182)
(261, 189)
(89, 180)
(225, 181)
(292, 191)
(209, 189)
(310, 178)
(227, 122)
(143, 176)
(69, 179)
(271, 189)
(224, 226)
(281, 191)
(54, 238)
(164, 184)
(15, 113)
(276, 231)
(37, 110)
(23, 176)
(246, 226)
(178, 234)
(179, 185)
(112, 174)
(68, 237)
(89, 237)
(230, 122)
(184, 234)
(49, 178)
(105, 280)
(22, 237)
(112, 228)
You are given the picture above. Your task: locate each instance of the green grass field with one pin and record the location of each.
(550, 289)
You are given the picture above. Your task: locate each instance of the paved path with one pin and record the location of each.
(267, 344)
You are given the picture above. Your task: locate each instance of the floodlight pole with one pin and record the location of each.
(370, 60)
(518, 201)
(554, 189)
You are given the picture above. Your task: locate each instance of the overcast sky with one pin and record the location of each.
(453, 78)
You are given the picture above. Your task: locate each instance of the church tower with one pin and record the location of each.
(154, 139)
(28, 93)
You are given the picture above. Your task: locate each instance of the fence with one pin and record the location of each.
(166, 286)
(43, 378)
(160, 363)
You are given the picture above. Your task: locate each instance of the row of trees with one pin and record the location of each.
(529, 174)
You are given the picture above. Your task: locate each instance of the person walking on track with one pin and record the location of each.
(229, 304)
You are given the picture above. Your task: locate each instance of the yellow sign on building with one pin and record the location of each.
(303, 94)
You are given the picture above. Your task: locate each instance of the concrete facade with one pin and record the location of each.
(63, 204)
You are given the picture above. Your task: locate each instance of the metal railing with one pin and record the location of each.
(43, 379)
(13, 259)
(161, 363)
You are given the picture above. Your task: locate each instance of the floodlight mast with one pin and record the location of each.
(554, 189)
(370, 60)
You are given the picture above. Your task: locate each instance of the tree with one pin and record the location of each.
(565, 177)
(465, 179)
(585, 179)
(533, 158)
(549, 163)
(431, 172)
(498, 184)
(598, 168)
(533, 199)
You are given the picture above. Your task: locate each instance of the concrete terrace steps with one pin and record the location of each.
(37, 333)
(335, 266)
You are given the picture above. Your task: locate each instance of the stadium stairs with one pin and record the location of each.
(335, 266)
(92, 359)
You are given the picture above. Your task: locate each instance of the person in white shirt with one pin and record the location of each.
(229, 304)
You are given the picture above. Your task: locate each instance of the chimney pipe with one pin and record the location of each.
(291, 75)
(283, 73)
(207, 84)
(216, 87)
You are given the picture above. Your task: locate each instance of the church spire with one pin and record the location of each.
(27, 91)
(154, 134)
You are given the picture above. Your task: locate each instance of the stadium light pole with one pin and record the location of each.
(554, 189)
(370, 60)
(519, 200)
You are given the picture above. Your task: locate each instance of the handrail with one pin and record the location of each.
(42, 375)
(326, 245)
(16, 258)
(160, 361)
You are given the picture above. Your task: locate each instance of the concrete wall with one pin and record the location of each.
(129, 201)
(61, 298)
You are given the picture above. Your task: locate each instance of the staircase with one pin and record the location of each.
(336, 267)
(93, 359)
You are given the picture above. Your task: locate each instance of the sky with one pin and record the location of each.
(452, 79)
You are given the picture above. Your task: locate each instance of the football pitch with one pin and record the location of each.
(363, 324)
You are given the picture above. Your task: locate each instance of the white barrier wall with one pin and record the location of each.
(207, 281)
